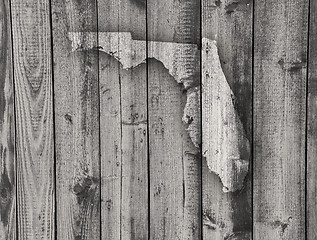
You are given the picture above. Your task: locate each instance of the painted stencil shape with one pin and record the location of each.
(225, 146)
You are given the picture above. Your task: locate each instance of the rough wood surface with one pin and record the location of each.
(134, 154)
(134, 199)
(110, 143)
(280, 59)
(76, 91)
(148, 107)
(7, 129)
(311, 211)
(124, 95)
(174, 160)
(34, 119)
(229, 23)
(224, 144)
(111, 131)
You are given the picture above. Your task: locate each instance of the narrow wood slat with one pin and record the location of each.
(124, 120)
(76, 91)
(229, 23)
(34, 119)
(7, 129)
(175, 164)
(110, 142)
(110, 133)
(280, 60)
(134, 199)
(311, 212)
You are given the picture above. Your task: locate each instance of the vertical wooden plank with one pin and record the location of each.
(175, 169)
(229, 23)
(280, 60)
(124, 120)
(7, 146)
(34, 118)
(110, 140)
(134, 199)
(311, 127)
(76, 91)
(110, 133)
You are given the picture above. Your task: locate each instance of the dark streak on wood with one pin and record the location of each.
(234, 6)
(4, 50)
(218, 3)
(311, 195)
(239, 236)
(86, 190)
(141, 3)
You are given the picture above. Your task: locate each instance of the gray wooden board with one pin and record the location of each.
(280, 59)
(175, 164)
(124, 128)
(229, 23)
(311, 210)
(76, 91)
(34, 119)
(7, 128)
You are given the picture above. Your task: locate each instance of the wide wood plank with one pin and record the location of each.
(280, 59)
(7, 129)
(76, 91)
(34, 119)
(124, 119)
(229, 23)
(175, 164)
(311, 212)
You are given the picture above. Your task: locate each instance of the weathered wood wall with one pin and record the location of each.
(171, 119)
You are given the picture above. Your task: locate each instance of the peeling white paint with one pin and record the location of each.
(131, 53)
(192, 117)
(224, 146)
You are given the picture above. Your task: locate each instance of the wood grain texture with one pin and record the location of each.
(110, 143)
(229, 23)
(124, 104)
(311, 224)
(76, 91)
(34, 119)
(280, 60)
(7, 129)
(134, 200)
(175, 164)
(111, 131)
